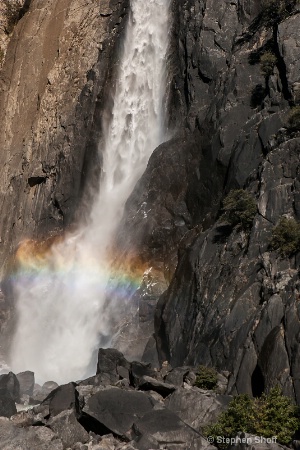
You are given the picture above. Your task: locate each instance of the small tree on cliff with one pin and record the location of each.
(294, 118)
(239, 209)
(274, 11)
(286, 237)
(271, 415)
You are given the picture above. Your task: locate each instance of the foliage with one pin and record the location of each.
(274, 11)
(239, 417)
(294, 118)
(206, 378)
(11, 10)
(286, 237)
(271, 415)
(239, 209)
(276, 416)
(267, 63)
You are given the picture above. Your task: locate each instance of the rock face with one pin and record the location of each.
(224, 298)
(52, 91)
(240, 325)
(232, 303)
(226, 112)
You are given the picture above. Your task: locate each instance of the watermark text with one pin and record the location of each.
(241, 440)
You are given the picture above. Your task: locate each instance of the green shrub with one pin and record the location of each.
(267, 63)
(271, 415)
(206, 378)
(294, 118)
(276, 416)
(239, 209)
(286, 237)
(274, 11)
(239, 417)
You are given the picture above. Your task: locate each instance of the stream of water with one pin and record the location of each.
(61, 295)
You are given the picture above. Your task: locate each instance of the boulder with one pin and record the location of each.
(13, 437)
(164, 428)
(10, 382)
(114, 410)
(62, 398)
(7, 404)
(138, 370)
(66, 426)
(50, 386)
(41, 392)
(111, 366)
(177, 376)
(151, 384)
(26, 381)
(197, 408)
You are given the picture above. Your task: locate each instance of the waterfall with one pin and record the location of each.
(61, 291)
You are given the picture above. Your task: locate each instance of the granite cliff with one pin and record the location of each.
(224, 298)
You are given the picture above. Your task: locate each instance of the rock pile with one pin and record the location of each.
(124, 406)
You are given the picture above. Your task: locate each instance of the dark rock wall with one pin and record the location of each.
(233, 303)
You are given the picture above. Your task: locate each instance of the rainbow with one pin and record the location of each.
(43, 260)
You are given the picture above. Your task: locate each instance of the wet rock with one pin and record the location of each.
(10, 382)
(111, 366)
(41, 392)
(26, 381)
(7, 404)
(62, 398)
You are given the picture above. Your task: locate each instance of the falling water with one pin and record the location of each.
(61, 294)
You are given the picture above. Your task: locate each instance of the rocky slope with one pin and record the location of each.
(124, 406)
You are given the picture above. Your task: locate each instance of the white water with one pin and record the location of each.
(61, 310)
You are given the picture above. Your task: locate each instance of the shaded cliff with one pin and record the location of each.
(232, 303)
